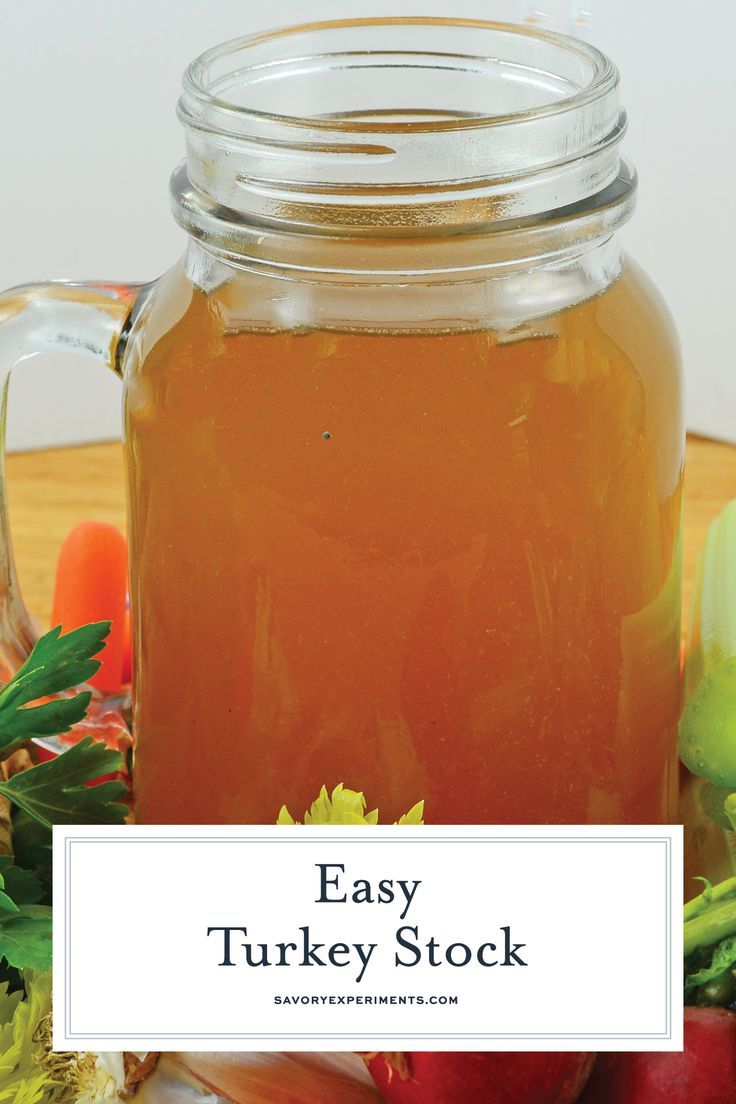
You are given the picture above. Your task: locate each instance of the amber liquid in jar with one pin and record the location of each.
(438, 565)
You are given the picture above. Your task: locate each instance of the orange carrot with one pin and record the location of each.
(92, 585)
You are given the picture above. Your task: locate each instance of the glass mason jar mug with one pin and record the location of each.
(403, 436)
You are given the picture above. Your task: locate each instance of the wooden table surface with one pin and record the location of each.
(51, 491)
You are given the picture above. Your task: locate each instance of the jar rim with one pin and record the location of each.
(604, 76)
(399, 127)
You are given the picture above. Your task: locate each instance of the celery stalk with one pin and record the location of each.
(712, 625)
(708, 723)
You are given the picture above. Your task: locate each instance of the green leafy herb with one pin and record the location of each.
(32, 844)
(57, 792)
(710, 945)
(724, 958)
(56, 664)
(22, 1078)
(21, 885)
(25, 937)
(346, 806)
(7, 904)
(61, 791)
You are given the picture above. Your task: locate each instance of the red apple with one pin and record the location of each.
(498, 1078)
(704, 1073)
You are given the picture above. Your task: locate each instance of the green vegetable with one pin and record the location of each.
(56, 664)
(712, 799)
(711, 893)
(723, 960)
(729, 809)
(710, 944)
(346, 806)
(717, 922)
(23, 886)
(7, 904)
(708, 749)
(708, 724)
(61, 791)
(57, 792)
(22, 1080)
(25, 938)
(712, 626)
(32, 844)
(721, 991)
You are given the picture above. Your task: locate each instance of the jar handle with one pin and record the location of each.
(89, 318)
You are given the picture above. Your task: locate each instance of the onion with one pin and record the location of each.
(259, 1078)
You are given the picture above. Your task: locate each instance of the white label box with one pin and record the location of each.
(248, 938)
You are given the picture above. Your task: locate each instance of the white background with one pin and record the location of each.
(591, 902)
(89, 138)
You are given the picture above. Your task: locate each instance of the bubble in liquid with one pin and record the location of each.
(326, 435)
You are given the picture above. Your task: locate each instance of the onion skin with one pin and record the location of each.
(277, 1078)
(481, 1078)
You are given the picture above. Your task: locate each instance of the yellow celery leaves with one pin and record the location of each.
(21, 1079)
(414, 816)
(346, 807)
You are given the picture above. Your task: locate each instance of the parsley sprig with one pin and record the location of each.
(56, 664)
(57, 792)
(60, 791)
